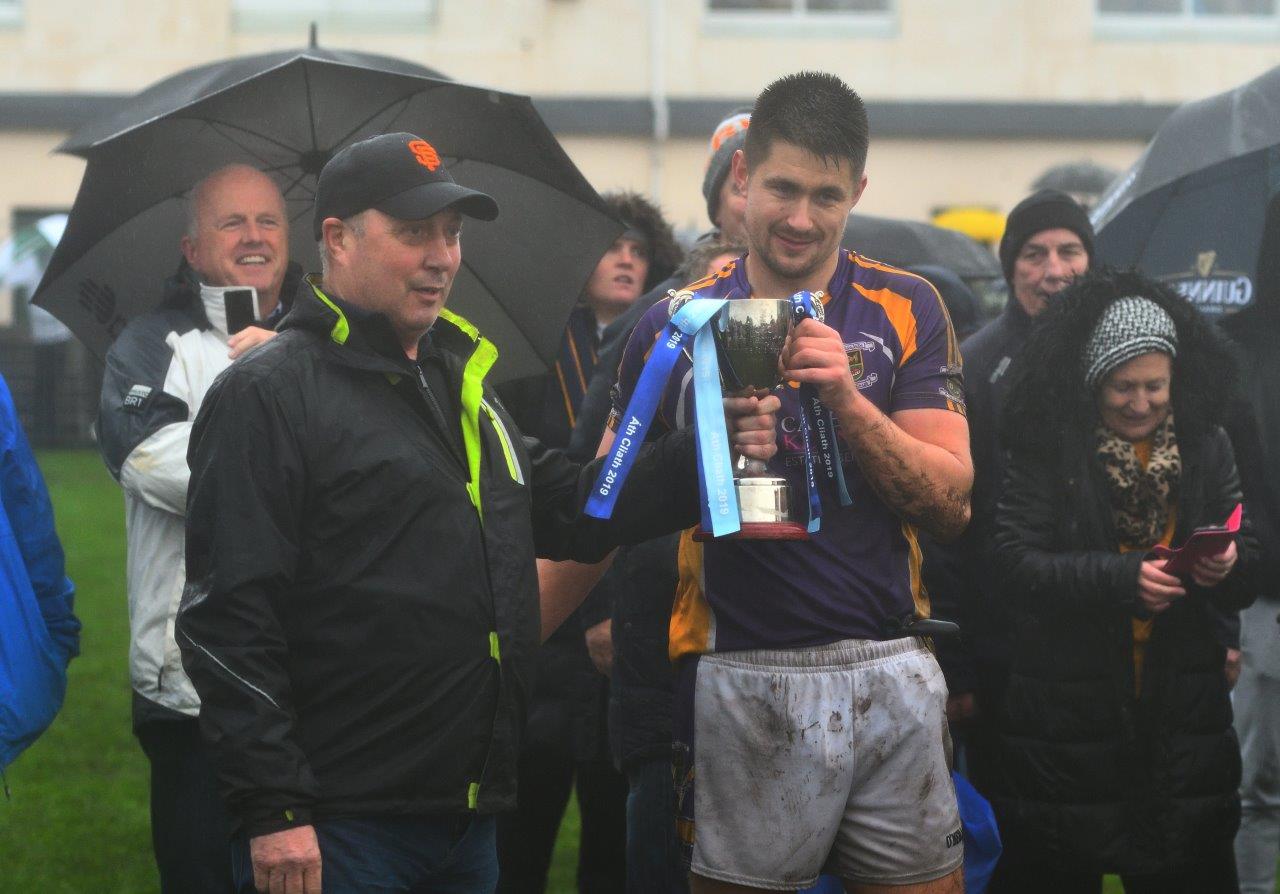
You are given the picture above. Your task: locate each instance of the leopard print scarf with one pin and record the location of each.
(1141, 499)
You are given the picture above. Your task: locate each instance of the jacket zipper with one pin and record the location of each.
(473, 787)
(504, 438)
(438, 413)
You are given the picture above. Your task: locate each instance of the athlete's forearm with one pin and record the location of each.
(925, 485)
(562, 588)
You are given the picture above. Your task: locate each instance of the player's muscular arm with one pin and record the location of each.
(917, 460)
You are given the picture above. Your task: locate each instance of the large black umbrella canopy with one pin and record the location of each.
(1190, 210)
(181, 90)
(911, 243)
(521, 274)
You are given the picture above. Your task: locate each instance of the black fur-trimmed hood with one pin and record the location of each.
(1049, 404)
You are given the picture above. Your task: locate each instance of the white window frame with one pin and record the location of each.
(338, 15)
(799, 22)
(1186, 25)
(10, 13)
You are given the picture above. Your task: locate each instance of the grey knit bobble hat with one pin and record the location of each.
(729, 136)
(1129, 327)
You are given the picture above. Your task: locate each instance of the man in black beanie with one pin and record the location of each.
(1047, 243)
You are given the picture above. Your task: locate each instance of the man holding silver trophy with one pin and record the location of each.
(810, 727)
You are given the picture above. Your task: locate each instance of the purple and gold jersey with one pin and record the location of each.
(864, 565)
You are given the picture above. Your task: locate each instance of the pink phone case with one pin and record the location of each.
(1207, 541)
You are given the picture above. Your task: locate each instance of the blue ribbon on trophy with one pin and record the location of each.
(689, 321)
(808, 305)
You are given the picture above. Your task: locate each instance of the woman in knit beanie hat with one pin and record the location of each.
(1117, 752)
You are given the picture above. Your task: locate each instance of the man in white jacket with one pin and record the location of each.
(157, 373)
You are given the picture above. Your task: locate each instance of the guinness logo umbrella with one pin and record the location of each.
(1190, 210)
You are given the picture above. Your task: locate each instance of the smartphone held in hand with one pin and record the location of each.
(1211, 540)
(241, 305)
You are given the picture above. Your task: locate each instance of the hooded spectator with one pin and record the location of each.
(1116, 748)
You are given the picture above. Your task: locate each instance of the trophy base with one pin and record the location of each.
(758, 531)
(764, 508)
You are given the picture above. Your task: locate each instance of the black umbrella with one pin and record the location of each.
(913, 243)
(909, 243)
(1085, 177)
(287, 113)
(1191, 208)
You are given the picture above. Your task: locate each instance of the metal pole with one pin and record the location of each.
(658, 95)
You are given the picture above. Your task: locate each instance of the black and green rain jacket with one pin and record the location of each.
(361, 613)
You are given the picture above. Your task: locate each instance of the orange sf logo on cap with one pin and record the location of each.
(425, 153)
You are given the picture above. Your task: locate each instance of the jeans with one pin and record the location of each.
(653, 853)
(400, 854)
(190, 831)
(1256, 702)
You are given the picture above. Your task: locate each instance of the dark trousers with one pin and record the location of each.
(527, 836)
(50, 360)
(1213, 873)
(653, 851)
(397, 855)
(190, 830)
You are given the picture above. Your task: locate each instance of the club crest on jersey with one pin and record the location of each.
(952, 390)
(856, 364)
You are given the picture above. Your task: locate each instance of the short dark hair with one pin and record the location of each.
(817, 112)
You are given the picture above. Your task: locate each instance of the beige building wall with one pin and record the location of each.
(924, 49)
(927, 50)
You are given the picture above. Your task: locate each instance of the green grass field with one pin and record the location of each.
(77, 820)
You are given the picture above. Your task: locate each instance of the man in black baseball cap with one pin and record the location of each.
(362, 602)
(400, 175)
(388, 218)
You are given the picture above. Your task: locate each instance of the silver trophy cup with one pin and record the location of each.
(750, 334)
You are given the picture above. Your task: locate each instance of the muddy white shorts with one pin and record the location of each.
(833, 759)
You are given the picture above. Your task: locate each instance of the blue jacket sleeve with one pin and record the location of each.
(26, 503)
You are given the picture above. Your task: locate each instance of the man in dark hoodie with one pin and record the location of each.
(1255, 434)
(566, 745)
(1047, 243)
(157, 373)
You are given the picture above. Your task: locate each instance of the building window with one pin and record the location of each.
(341, 15)
(867, 18)
(800, 8)
(10, 12)
(1205, 19)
